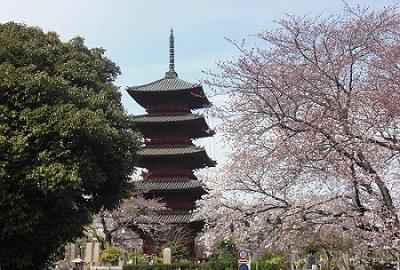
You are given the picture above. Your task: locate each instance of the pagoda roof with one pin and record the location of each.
(147, 122)
(194, 156)
(166, 84)
(172, 217)
(169, 89)
(148, 118)
(168, 185)
(170, 151)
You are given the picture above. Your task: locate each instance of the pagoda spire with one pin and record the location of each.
(171, 73)
(171, 52)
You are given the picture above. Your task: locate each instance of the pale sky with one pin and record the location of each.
(135, 33)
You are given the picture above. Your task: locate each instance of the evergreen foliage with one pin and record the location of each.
(137, 258)
(225, 257)
(272, 260)
(174, 266)
(178, 251)
(111, 255)
(66, 144)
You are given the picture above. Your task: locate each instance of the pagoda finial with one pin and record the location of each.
(171, 73)
(171, 51)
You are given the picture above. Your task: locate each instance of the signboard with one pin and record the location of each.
(243, 254)
(243, 259)
(243, 266)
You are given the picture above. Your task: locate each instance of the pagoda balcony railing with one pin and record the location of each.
(162, 171)
(168, 108)
(181, 205)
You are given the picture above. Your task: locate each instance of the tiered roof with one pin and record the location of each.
(196, 122)
(169, 151)
(194, 156)
(170, 217)
(169, 87)
(143, 119)
(169, 184)
(166, 84)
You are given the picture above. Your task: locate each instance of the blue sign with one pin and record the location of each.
(243, 267)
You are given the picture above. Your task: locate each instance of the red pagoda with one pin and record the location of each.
(169, 155)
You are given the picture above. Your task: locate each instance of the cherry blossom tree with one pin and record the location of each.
(312, 114)
(125, 225)
(132, 221)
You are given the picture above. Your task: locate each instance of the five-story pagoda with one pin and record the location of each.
(169, 155)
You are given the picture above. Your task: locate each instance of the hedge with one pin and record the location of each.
(174, 266)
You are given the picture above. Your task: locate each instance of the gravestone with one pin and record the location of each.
(123, 259)
(96, 253)
(167, 256)
(89, 252)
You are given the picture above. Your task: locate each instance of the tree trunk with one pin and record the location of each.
(107, 233)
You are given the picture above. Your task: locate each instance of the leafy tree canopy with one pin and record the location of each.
(66, 144)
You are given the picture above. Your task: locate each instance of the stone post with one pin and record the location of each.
(96, 253)
(89, 252)
(167, 258)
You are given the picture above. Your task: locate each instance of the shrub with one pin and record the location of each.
(178, 251)
(111, 255)
(174, 266)
(273, 260)
(223, 261)
(225, 257)
(139, 258)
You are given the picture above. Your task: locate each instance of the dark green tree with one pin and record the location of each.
(225, 257)
(178, 251)
(272, 260)
(66, 144)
